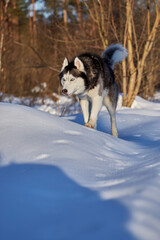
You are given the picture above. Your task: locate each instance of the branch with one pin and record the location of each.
(102, 15)
(152, 34)
(44, 64)
(90, 12)
(135, 37)
(98, 18)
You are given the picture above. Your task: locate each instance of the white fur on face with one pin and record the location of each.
(73, 84)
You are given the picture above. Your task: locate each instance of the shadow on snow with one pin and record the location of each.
(42, 202)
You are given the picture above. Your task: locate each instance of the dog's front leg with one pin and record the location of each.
(85, 108)
(96, 107)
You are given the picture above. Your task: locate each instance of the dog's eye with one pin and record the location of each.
(72, 79)
(63, 79)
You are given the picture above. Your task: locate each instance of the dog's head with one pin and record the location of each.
(72, 77)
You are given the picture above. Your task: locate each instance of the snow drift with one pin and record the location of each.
(61, 180)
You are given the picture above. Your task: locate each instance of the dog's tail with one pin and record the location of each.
(114, 53)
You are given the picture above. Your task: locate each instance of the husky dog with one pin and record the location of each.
(91, 78)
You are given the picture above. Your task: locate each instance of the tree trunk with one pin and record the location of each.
(30, 28)
(148, 16)
(136, 72)
(34, 22)
(65, 12)
(79, 12)
(3, 32)
(131, 65)
(124, 86)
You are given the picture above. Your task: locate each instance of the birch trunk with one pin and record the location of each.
(131, 65)
(136, 72)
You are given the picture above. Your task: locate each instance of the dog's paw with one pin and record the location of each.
(89, 125)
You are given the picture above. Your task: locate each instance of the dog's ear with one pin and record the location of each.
(65, 63)
(78, 64)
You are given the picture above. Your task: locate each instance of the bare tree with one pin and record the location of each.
(98, 17)
(136, 68)
(39, 54)
(3, 32)
(133, 68)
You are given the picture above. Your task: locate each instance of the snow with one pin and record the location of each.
(61, 106)
(60, 180)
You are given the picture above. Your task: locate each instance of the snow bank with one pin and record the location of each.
(61, 180)
(67, 105)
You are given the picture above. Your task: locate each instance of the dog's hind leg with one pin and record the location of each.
(110, 101)
(84, 103)
(112, 112)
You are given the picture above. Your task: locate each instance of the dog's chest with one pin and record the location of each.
(94, 91)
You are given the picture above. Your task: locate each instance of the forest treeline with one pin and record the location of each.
(36, 35)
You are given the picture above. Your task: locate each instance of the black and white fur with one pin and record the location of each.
(91, 78)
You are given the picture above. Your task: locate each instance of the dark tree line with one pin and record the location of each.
(36, 35)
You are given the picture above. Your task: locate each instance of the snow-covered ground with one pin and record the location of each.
(62, 181)
(62, 106)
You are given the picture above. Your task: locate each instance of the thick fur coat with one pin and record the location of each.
(91, 78)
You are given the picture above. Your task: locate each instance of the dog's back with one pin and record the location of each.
(95, 67)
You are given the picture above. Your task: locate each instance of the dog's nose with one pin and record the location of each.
(64, 91)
